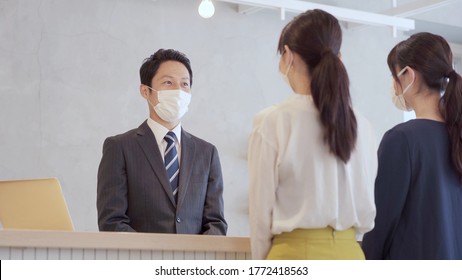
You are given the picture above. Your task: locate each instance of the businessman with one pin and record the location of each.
(158, 177)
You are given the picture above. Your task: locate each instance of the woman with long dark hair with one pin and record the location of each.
(312, 158)
(418, 190)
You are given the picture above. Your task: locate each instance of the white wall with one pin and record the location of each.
(69, 78)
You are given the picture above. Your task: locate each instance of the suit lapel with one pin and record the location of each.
(187, 162)
(148, 143)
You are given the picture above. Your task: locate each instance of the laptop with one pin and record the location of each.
(36, 204)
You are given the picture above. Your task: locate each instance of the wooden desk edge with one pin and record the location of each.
(122, 240)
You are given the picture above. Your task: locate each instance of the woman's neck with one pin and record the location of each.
(301, 83)
(300, 79)
(426, 106)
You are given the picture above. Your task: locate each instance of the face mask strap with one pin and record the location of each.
(147, 98)
(151, 88)
(290, 64)
(407, 88)
(402, 71)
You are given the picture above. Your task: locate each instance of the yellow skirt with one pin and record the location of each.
(316, 244)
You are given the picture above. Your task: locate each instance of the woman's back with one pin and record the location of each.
(418, 196)
(316, 189)
(311, 161)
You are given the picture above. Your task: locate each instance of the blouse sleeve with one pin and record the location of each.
(391, 188)
(263, 178)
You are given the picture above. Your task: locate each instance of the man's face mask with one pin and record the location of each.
(173, 104)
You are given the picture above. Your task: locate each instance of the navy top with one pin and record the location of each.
(418, 196)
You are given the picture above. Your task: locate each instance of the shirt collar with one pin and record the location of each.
(160, 131)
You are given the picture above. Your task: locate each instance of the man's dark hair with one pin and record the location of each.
(151, 64)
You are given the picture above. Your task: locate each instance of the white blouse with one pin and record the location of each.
(296, 182)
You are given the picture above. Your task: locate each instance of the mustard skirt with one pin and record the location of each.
(316, 244)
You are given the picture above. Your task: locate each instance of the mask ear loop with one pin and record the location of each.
(152, 88)
(147, 98)
(290, 64)
(401, 73)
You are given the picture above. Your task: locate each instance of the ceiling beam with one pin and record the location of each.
(247, 10)
(344, 14)
(451, 33)
(411, 9)
(417, 7)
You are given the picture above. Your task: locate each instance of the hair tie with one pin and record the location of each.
(450, 73)
(326, 51)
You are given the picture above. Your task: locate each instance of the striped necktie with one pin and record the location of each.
(171, 162)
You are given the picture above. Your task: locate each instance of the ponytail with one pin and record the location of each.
(329, 78)
(331, 95)
(452, 111)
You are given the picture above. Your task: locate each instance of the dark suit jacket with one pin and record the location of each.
(134, 193)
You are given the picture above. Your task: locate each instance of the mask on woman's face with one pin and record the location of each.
(173, 104)
(398, 100)
(285, 75)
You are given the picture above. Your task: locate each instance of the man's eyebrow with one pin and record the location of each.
(171, 77)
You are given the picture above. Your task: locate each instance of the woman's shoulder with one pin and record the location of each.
(262, 116)
(269, 114)
(416, 127)
(294, 103)
(416, 131)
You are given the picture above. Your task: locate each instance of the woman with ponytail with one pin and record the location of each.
(418, 189)
(312, 159)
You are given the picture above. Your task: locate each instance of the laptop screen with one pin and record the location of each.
(36, 204)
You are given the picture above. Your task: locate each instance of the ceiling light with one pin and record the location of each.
(206, 9)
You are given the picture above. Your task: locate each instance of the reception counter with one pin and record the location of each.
(60, 245)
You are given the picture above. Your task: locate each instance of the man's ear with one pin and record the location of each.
(144, 91)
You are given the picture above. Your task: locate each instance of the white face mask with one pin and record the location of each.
(399, 100)
(173, 104)
(285, 75)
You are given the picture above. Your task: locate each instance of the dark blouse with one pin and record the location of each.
(418, 196)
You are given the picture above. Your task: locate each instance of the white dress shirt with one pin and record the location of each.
(296, 182)
(160, 131)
